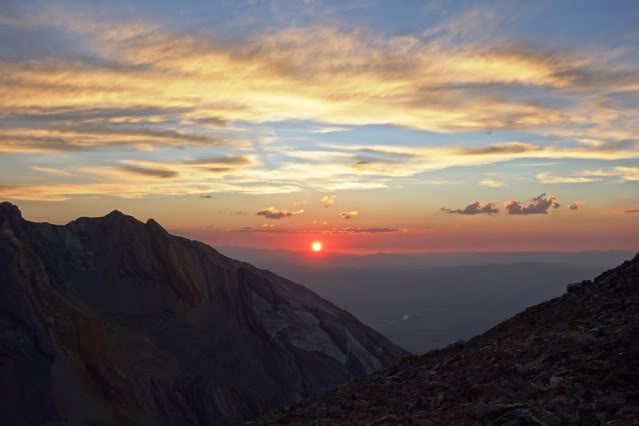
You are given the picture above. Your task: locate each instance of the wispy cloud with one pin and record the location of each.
(138, 86)
(329, 129)
(52, 171)
(624, 174)
(148, 171)
(491, 183)
(547, 177)
(369, 230)
(628, 174)
(321, 73)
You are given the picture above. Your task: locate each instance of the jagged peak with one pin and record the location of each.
(115, 213)
(115, 219)
(154, 225)
(9, 210)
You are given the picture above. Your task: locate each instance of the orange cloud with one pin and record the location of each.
(348, 215)
(320, 73)
(328, 200)
(274, 213)
(537, 205)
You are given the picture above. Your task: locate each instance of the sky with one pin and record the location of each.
(370, 125)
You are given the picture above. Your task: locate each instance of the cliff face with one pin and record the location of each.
(571, 360)
(113, 321)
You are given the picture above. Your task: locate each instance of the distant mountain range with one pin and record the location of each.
(111, 321)
(424, 309)
(427, 301)
(268, 258)
(573, 360)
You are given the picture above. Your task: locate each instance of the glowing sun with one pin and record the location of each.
(316, 246)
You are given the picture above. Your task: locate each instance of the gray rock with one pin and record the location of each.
(571, 360)
(112, 321)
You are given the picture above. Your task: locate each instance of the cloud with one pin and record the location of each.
(537, 205)
(140, 86)
(576, 205)
(329, 129)
(502, 148)
(369, 230)
(632, 211)
(52, 171)
(114, 182)
(220, 161)
(274, 213)
(491, 183)
(405, 161)
(74, 135)
(474, 208)
(328, 200)
(323, 73)
(148, 171)
(625, 174)
(547, 177)
(348, 215)
(272, 228)
(267, 229)
(139, 178)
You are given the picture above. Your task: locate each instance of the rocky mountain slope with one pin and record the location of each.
(111, 321)
(571, 360)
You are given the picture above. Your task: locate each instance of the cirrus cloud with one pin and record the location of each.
(371, 230)
(491, 183)
(547, 177)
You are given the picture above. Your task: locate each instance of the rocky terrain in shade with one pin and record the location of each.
(573, 360)
(111, 321)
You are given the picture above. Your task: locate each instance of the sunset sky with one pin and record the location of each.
(370, 125)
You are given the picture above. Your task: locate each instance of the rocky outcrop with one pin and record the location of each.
(572, 360)
(112, 321)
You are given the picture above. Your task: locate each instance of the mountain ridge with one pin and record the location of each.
(111, 320)
(571, 360)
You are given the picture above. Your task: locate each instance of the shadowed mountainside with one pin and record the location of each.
(113, 321)
(571, 360)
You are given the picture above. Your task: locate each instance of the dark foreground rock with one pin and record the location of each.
(571, 361)
(111, 321)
